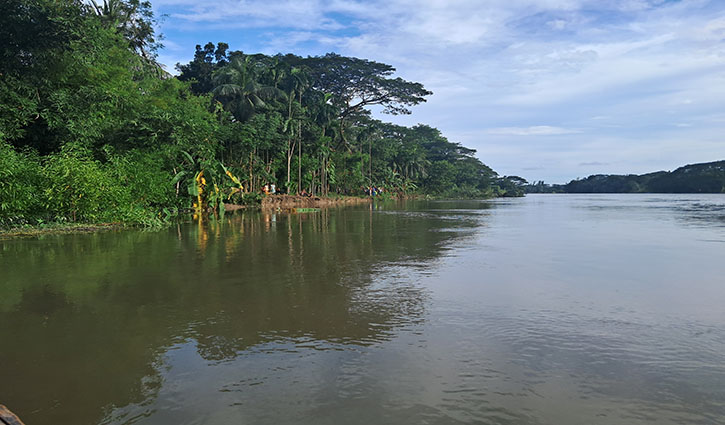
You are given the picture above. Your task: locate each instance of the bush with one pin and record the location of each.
(20, 187)
(241, 198)
(80, 189)
(148, 182)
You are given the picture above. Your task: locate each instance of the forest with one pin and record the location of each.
(94, 129)
(707, 177)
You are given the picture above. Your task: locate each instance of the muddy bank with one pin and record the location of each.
(234, 207)
(290, 201)
(57, 229)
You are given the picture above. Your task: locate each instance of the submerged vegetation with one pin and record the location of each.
(92, 129)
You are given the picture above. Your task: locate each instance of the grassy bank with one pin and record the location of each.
(57, 229)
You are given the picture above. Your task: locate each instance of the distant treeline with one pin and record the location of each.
(92, 128)
(696, 178)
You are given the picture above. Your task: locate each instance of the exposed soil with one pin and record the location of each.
(290, 201)
(233, 207)
(57, 229)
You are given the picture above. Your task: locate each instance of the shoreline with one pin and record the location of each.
(58, 229)
(296, 201)
(282, 202)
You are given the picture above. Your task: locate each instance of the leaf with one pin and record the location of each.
(178, 176)
(193, 189)
(188, 156)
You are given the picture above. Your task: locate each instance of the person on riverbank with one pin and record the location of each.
(272, 189)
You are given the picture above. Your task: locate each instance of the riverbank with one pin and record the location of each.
(294, 201)
(284, 202)
(57, 229)
(291, 201)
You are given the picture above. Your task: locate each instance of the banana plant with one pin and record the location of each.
(235, 180)
(221, 184)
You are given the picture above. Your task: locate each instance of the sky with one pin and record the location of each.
(549, 90)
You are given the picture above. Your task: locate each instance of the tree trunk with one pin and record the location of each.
(290, 154)
(323, 174)
(299, 158)
(251, 173)
(290, 143)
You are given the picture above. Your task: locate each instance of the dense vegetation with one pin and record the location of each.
(695, 178)
(93, 129)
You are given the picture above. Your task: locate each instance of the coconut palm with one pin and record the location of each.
(296, 82)
(134, 19)
(237, 88)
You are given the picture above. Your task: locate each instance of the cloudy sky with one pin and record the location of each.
(546, 89)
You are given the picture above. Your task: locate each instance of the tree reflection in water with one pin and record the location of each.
(90, 318)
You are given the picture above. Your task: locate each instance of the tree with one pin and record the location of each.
(295, 83)
(201, 69)
(237, 88)
(33, 32)
(134, 20)
(357, 83)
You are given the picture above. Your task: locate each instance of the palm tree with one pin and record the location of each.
(295, 84)
(324, 115)
(414, 163)
(134, 19)
(237, 88)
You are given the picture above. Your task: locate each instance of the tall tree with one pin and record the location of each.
(201, 69)
(358, 83)
(134, 19)
(237, 88)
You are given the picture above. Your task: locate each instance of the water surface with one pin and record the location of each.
(552, 309)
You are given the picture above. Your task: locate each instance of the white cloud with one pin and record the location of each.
(627, 71)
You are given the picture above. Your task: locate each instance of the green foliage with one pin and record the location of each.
(132, 19)
(356, 83)
(149, 182)
(250, 199)
(34, 32)
(18, 106)
(200, 70)
(695, 178)
(92, 130)
(510, 186)
(80, 188)
(71, 186)
(20, 186)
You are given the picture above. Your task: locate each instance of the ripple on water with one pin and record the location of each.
(628, 369)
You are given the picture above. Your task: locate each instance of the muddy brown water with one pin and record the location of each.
(568, 309)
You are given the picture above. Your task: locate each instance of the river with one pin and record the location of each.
(550, 309)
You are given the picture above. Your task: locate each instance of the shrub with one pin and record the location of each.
(20, 186)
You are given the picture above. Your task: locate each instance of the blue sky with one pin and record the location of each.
(546, 89)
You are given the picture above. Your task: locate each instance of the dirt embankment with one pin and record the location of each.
(290, 201)
(56, 229)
